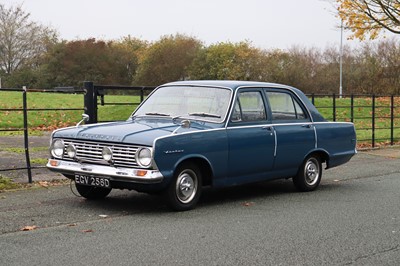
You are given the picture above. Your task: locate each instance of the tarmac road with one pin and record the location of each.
(352, 219)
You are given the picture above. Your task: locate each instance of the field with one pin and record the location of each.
(50, 120)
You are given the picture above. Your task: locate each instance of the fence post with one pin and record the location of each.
(392, 119)
(26, 142)
(373, 120)
(90, 102)
(142, 94)
(352, 108)
(334, 107)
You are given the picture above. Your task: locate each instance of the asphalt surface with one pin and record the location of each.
(352, 219)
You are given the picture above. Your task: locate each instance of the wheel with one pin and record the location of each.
(92, 193)
(184, 191)
(309, 175)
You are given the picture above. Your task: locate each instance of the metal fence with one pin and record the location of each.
(25, 110)
(372, 114)
(376, 117)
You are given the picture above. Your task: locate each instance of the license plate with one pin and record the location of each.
(93, 181)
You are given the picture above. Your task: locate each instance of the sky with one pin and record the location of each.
(267, 24)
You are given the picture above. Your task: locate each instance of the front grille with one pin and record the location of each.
(90, 152)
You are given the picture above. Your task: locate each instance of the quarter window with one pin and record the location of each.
(284, 107)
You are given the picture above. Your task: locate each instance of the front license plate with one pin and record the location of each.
(93, 181)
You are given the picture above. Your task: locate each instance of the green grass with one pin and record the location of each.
(39, 161)
(362, 116)
(7, 184)
(50, 120)
(22, 150)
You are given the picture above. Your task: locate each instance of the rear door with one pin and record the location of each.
(294, 129)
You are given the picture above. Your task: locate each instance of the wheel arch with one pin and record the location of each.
(323, 155)
(204, 167)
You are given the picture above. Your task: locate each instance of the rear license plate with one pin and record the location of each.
(93, 181)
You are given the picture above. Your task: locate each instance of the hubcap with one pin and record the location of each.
(311, 172)
(186, 186)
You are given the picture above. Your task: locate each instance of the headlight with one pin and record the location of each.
(71, 151)
(107, 154)
(57, 148)
(143, 157)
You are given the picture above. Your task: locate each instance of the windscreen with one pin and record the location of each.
(204, 103)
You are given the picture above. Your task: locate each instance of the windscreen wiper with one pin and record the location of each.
(158, 114)
(202, 114)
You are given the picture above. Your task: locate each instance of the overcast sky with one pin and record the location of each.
(266, 23)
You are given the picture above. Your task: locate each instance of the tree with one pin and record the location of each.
(22, 41)
(71, 63)
(167, 60)
(228, 60)
(370, 17)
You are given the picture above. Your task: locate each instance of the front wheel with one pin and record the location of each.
(309, 175)
(185, 189)
(92, 193)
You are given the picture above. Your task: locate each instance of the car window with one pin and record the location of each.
(249, 106)
(284, 107)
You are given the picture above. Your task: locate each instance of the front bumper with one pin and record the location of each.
(140, 176)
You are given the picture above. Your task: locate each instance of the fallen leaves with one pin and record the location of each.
(43, 184)
(29, 228)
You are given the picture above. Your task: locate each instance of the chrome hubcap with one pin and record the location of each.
(186, 186)
(311, 171)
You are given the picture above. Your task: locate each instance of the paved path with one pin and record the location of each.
(353, 219)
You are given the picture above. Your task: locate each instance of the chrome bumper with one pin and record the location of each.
(142, 176)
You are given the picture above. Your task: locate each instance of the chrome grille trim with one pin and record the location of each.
(124, 155)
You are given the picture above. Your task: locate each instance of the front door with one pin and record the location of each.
(251, 139)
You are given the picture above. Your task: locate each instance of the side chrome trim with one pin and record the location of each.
(316, 137)
(276, 143)
(115, 174)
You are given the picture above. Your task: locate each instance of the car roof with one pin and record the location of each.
(235, 84)
(232, 84)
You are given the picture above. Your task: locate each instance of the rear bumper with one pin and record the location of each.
(140, 176)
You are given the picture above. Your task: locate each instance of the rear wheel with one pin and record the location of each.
(309, 175)
(92, 193)
(185, 189)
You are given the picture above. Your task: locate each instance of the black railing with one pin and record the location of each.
(371, 114)
(93, 92)
(378, 115)
(24, 109)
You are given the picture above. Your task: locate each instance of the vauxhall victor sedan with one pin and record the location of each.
(191, 134)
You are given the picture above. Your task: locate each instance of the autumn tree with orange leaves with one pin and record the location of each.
(367, 18)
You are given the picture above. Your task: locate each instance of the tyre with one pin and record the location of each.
(309, 175)
(185, 189)
(92, 193)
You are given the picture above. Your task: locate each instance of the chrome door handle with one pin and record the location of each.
(306, 126)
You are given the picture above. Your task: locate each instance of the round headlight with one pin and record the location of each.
(71, 151)
(143, 157)
(107, 154)
(57, 149)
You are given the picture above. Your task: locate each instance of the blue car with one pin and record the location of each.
(191, 134)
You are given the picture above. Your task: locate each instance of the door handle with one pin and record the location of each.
(306, 126)
(269, 128)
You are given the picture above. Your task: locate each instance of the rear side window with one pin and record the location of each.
(284, 107)
(249, 106)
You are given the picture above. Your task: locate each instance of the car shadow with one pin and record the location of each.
(125, 202)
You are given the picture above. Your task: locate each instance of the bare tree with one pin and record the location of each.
(21, 40)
